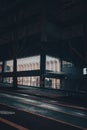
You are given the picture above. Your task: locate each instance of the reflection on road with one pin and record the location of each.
(73, 116)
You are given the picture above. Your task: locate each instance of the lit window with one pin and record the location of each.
(52, 64)
(8, 66)
(84, 71)
(29, 81)
(28, 63)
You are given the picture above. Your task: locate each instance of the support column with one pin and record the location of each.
(15, 73)
(61, 80)
(43, 42)
(85, 51)
(42, 69)
(84, 32)
(61, 65)
(3, 65)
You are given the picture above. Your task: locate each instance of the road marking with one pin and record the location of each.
(72, 114)
(68, 113)
(49, 118)
(73, 106)
(12, 124)
(65, 105)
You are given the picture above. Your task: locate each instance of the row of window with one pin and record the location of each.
(32, 63)
(35, 81)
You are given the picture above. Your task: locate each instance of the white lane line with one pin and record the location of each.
(45, 105)
(56, 110)
(60, 104)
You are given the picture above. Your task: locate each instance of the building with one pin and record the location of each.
(33, 63)
(44, 28)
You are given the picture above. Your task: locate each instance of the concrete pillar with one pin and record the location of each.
(61, 80)
(3, 65)
(61, 65)
(42, 69)
(15, 73)
(85, 37)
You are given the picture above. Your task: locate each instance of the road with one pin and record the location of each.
(26, 112)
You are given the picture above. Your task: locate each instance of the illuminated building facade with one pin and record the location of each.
(48, 72)
(52, 65)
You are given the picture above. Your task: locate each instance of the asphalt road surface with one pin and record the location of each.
(24, 112)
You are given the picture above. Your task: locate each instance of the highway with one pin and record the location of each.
(26, 112)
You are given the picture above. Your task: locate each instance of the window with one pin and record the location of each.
(52, 64)
(29, 81)
(29, 63)
(67, 64)
(84, 71)
(8, 80)
(52, 83)
(8, 66)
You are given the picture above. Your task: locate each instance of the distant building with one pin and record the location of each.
(33, 63)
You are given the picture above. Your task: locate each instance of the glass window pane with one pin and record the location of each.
(84, 71)
(52, 64)
(68, 67)
(8, 80)
(8, 66)
(52, 83)
(29, 63)
(29, 81)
